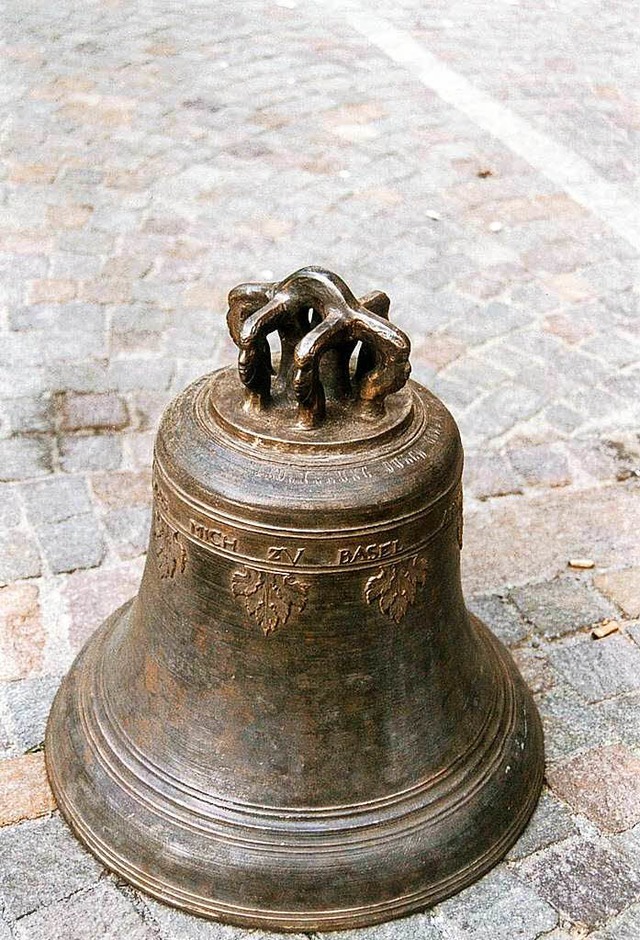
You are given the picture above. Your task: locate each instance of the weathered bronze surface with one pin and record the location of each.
(296, 724)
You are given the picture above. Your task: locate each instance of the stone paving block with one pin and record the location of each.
(599, 669)
(19, 557)
(129, 530)
(624, 927)
(28, 704)
(498, 907)
(416, 927)
(551, 822)
(175, 925)
(540, 465)
(122, 489)
(602, 784)
(128, 375)
(489, 474)
(501, 616)
(56, 500)
(100, 913)
(80, 454)
(535, 668)
(623, 714)
(623, 588)
(24, 457)
(32, 415)
(532, 539)
(42, 863)
(570, 724)
(24, 789)
(74, 543)
(561, 606)
(9, 507)
(92, 595)
(22, 636)
(93, 411)
(586, 881)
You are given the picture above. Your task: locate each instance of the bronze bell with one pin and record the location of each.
(296, 724)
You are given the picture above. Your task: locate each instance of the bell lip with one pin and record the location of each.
(296, 921)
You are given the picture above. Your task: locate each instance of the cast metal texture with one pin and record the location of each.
(296, 725)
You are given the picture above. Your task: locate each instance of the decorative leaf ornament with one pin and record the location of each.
(395, 586)
(171, 553)
(269, 598)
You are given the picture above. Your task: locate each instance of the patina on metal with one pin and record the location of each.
(296, 724)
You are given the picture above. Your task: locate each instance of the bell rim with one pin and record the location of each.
(287, 922)
(334, 919)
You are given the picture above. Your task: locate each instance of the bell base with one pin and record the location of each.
(412, 849)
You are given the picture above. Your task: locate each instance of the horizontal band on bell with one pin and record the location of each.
(319, 551)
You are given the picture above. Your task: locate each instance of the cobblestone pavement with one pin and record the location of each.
(478, 161)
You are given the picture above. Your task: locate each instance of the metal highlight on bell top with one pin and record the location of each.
(296, 724)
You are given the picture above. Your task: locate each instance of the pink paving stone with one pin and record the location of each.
(123, 488)
(22, 636)
(603, 784)
(24, 789)
(518, 539)
(52, 291)
(93, 595)
(623, 588)
(438, 350)
(93, 411)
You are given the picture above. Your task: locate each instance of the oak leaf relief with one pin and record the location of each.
(171, 553)
(395, 587)
(269, 598)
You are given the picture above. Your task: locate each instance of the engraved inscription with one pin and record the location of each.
(269, 598)
(454, 514)
(214, 537)
(395, 587)
(289, 556)
(373, 552)
(171, 552)
(404, 460)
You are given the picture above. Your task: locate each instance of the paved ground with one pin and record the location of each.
(477, 161)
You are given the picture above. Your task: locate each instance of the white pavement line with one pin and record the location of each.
(558, 163)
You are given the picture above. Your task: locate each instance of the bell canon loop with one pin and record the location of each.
(296, 724)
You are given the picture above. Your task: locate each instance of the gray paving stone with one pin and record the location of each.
(42, 863)
(623, 714)
(56, 500)
(100, 912)
(570, 724)
(19, 556)
(24, 457)
(498, 907)
(586, 881)
(489, 474)
(28, 703)
(417, 927)
(599, 669)
(9, 507)
(561, 606)
(30, 415)
(501, 616)
(76, 542)
(129, 529)
(550, 823)
(79, 454)
(624, 927)
(176, 925)
(540, 465)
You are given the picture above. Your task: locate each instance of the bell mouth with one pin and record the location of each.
(220, 405)
(187, 852)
